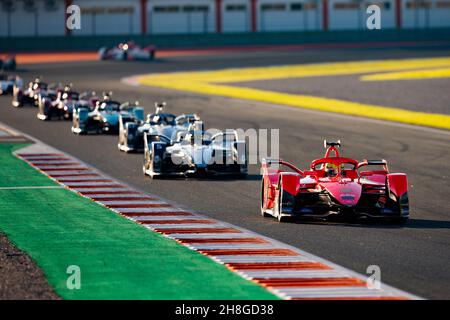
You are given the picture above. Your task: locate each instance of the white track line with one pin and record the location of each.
(132, 80)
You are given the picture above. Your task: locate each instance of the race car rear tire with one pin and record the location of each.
(278, 206)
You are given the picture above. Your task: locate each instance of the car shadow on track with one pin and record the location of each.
(410, 224)
(427, 224)
(214, 178)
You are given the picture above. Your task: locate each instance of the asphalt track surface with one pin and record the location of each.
(431, 95)
(413, 257)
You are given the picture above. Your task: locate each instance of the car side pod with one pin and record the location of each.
(153, 156)
(240, 149)
(397, 188)
(278, 189)
(80, 117)
(127, 130)
(288, 186)
(17, 97)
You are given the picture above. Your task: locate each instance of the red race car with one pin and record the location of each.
(334, 186)
(127, 51)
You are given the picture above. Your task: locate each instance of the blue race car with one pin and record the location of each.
(105, 117)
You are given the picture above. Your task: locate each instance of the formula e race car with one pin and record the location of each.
(54, 103)
(70, 104)
(7, 83)
(195, 152)
(8, 63)
(132, 129)
(334, 186)
(127, 51)
(30, 95)
(104, 118)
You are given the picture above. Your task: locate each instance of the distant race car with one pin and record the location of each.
(29, 96)
(132, 129)
(104, 118)
(7, 83)
(194, 152)
(8, 63)
(334, 186)
(70, 103)
(127, 51)
(56, 103)
(47, 104)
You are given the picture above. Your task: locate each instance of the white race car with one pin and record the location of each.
(195, 152)
(127, 51)
(7, 83)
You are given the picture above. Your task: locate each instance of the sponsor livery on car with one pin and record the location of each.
(132, 129)
(104, 118)
(29, 96)
(195, 152)
(334, 186)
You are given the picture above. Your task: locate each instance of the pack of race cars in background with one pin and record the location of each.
(332, 187)
(161, 136)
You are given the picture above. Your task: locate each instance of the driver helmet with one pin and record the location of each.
(331, 169)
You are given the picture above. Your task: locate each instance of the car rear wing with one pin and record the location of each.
(184, 118)
(226, 133)
(379, 162)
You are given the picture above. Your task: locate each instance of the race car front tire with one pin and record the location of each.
(263, 191)
(278, 206)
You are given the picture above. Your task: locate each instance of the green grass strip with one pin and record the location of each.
(118, 258)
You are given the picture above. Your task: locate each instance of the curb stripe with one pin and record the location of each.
(292, 274)
(87, 180)
(236, 246)
(268, 252)
(222, 240)
(60, 169)
(175, 221)
(156, 204)
(56, 176)
(34, 155)
(155, 208)
(55, 164)
(104, 198)
(260, 259)
(157, 214)
(199, 230)
(279, 265)
(311, 282)
(51, 159)
(97, 193)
